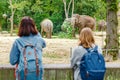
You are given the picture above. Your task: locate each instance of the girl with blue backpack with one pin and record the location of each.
(85, 56)
(26, 51)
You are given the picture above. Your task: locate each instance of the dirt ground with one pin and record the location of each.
(57, 50)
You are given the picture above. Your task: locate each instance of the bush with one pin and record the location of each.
(67, 34)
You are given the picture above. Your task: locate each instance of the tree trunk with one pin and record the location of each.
(111, 31)
(67, 8)
(11, 21)
(72, 7)
(0, 27)
(11, 18)
(66, 13)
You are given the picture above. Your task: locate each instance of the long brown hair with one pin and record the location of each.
(86, 38)
(27, 27)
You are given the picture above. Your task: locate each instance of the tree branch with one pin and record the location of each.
(72, 7)
(66, 13)
(69, 6)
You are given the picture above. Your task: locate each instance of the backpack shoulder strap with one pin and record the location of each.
(87, 49)
(95, 48)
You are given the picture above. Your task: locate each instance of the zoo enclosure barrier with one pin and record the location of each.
(107, 53)
(111, 54)
(60, 72)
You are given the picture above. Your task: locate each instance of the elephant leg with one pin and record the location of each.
(73, 32)
(42, 32)
(50, 34)
(100, 28)
(104, 28)
(47, 34)
(79, 30)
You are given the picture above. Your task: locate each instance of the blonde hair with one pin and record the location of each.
(86, 38)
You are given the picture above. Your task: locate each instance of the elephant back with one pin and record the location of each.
(47, 22)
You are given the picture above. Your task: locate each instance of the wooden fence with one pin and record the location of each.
(60, 72)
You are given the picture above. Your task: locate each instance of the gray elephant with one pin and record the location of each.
(47, 28)
(102, 25)
(81, 21)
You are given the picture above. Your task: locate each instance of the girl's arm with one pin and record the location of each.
(14, 54)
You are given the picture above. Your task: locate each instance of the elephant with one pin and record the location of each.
(80, 21)
(46, 27)
(102, 25)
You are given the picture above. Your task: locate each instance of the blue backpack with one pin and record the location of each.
(30, 62)
(92, 65)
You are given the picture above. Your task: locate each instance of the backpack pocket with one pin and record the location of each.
(95, 75)
(31, 75)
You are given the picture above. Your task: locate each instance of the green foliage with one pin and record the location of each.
(101, 11)
(64, 35)
(94, 8)
(69, 31)
(65, 25)
(3, 10)
(113, 54)
(37, 6)
(52, 9)
(67, 28)
(112, 5)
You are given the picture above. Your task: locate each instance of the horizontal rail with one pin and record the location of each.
(62, 66)
(60, 72)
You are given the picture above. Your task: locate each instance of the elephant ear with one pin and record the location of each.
(75, 18)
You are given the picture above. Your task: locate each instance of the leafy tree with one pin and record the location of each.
(52, 9)
(13, 9)
(3, 10)
(94, 8)
(39, 10)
